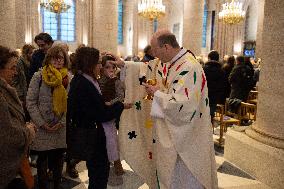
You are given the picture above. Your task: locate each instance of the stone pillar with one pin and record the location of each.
(7, 23)
(192, 25)
(260, 150)
(21, 22)
(90, 22)
(259, 33)
(269, 127)
(105, 25)
(35, 19)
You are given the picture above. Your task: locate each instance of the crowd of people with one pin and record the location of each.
(34, 106)
(38, 120)
(232, 79)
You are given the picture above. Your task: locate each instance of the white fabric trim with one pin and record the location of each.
(156, 109)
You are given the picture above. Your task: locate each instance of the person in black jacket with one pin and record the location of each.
(227, 68)
(215, 77)
(241, 80)
(44, 41)
(86, 109)
(148, 55)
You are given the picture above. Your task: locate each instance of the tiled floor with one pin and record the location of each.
(229, 177)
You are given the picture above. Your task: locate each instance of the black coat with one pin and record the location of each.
(215, 77)
(241, 80)
(227, 70)
(147, 58)
(36, 63)
(86, 108)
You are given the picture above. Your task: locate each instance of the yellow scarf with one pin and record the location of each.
(53, 78)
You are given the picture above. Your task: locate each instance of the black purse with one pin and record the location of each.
(82, 142)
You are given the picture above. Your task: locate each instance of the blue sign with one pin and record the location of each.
(249, 53)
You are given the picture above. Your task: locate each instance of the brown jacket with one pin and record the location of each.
(13, 133)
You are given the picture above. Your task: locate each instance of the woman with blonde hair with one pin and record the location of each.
(47, 105)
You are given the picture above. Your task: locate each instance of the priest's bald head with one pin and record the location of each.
(164, 45)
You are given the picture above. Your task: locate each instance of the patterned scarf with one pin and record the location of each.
(54, 78)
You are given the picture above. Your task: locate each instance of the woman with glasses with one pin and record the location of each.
(47, 105)
(15, 134)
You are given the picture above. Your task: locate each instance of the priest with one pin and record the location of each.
(184, 152)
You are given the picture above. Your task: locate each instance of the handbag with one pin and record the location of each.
(82, 142)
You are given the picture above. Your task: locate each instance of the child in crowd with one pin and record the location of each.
(113, 91)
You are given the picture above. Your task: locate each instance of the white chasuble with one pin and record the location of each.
(135, 130)
(182, 126)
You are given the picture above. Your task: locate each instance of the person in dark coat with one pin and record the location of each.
(15, 134)
(241, 80)
(227, 68)
(86, 106)
(215, 77)
(44, 41)
(148, 55)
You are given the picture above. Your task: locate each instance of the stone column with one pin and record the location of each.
(192, 25)
(259, 33)
(105, 25)
(7, 23)
(260, 150)
(35, 19)
(21, 22)
(269, 127)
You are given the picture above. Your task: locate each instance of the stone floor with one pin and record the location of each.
(229, 176)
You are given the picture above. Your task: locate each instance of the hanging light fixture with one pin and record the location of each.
(232, 13)
(56, 6)
(151, 9)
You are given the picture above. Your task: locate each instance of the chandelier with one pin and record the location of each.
(56, 6)
(232, 13)
(151, 9)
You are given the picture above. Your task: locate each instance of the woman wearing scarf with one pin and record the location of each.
(15, 134)
(47, 105)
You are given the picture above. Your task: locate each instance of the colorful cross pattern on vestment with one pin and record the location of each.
(138, 105)
(149, 124)
(132, 135)
(150, 155)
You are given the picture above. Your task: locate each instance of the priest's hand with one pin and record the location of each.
(150, 89)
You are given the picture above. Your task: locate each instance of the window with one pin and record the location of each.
(155, 25)
(60, 26)
(120, 23)
(204, 26)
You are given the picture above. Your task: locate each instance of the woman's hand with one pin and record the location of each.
(32, 130)
(108, 103)
(128, 105)
(46, 127)
(50, 128)
(56, 127)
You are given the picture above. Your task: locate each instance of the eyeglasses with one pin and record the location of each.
(58, 57)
